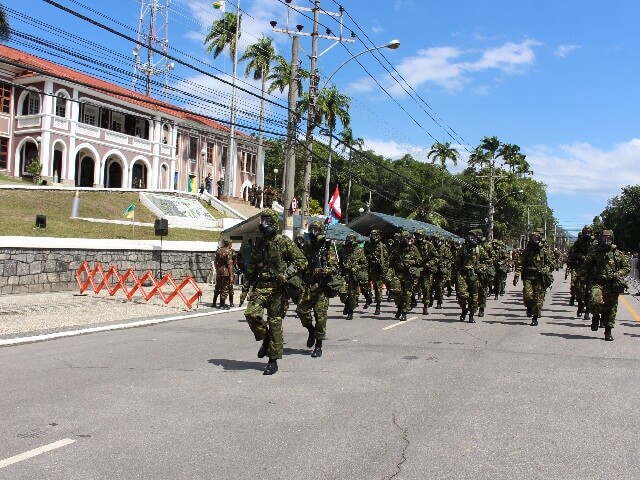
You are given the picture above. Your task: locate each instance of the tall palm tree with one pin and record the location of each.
(280, 75)
(478, 158)
(223, 34)
(443, 152)
(260, 56)
(349, 143)
(4, 25)
(510, 153)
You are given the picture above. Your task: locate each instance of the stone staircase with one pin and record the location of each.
(241, 206)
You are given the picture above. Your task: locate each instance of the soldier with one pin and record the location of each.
(406, 263)
(275, 260)
(353, 266)
(577, 255)
(252, 195)
(467, 269)
(322, 267)
(486, 274)
(515, 258)
(536, 266)
(377, 257)
(428, 262)
(259, 194)
(223, 263)
(501, 264)
(299, 240)
(442, 269)
(607, 267)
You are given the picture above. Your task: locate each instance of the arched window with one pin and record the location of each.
(61, 105)
(31, 105)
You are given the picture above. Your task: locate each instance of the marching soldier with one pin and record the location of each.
(442, 271)
(537, 263)
(577, 255)
(406, 264)
(322, 267)
(223, 263)
(353, 266)
(428, 262)
(606, 267)
(487, 273)
(275, 260)
(377, 257)
(502, 264)
(467, 270)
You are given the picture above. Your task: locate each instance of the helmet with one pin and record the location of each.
(587, 232)
(606, 238)
(316, 231)
(420, 235)
(269, 223)
(351, 240)
(299, 240)
(374, 235)
(472, 237)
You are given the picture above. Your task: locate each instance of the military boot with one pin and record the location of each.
(463, 315)
(572, 300)
(345, 310)
(607, 335)
(398, 312)
(529, 311)
(272, 367)
(481, 312)
(231, 305)
(377, 312)
(602, 325)
(439, 304)
(317, 350)
(367, 300)
(264, 347)
(534, 320)
(587, 315)
(403, 317)
(425, 310)
(215, 301)
(449, 290)
(580, 309)
(431, 299)
(350, 314)
(495, 297)
(471, 319)
(223, 305)
(311, 339)
(414, 302)
(595, 322)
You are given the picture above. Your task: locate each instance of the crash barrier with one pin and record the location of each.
(634, 281)
(129, 283)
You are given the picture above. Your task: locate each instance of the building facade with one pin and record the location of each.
(87, 132)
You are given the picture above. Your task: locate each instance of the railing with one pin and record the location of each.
(116, 137)
(88, 130)
(26, 121)
(61, 123)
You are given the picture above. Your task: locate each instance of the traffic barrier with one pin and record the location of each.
(137, 284)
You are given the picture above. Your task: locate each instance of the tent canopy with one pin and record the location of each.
(388, 224)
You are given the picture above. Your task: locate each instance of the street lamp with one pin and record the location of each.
(492, 207)
(275, 176)
(392, 45)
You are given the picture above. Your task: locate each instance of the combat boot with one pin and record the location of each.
(311, 339)
(534, 320)
(431, 299)
(367, 300)
(272, 367)
(595, 322)
(377, 312)
(607, 335)
(231, 305)
(425, 310)
(463, 315)
(587, 316)
(495, 297)
(265, 346)
(471, 319)
(602, 325)
(414, 302)
(449, 290)
(317, 350)
(345, 310)
(481, 312)
(398, 312)
(350, 314)
(529, 311)
(403, 317)
(572, 300)
(580, 309)
(215, 301)
(439, 304)
(223, 305)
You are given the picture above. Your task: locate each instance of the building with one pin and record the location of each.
(88, 132)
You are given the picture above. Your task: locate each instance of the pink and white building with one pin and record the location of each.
(91, 133)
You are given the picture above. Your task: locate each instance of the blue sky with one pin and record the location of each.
(558, 78)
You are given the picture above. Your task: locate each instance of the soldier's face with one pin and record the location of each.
(267, 226)
(472, 240)
(606, 241)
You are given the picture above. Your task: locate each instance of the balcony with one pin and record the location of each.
(29, 121)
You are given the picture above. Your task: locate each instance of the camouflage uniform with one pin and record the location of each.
(516, 255)
(428, 263)
(406, 264)
(223, 262)
(501, 264)
(442, 269)
(377, 256)
(577, 255)
(536, 266)
(467, 270)
(607, 267)
(486, 275)
(353, 267)
(275, 260)
(322, 266)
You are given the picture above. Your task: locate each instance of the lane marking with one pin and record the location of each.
(120, 326)
(36, 451)
(633, 313)
(394, 325)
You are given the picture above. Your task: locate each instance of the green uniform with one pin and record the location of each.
(406, 266)
(377, 256)
(467, 269)
(428, 262)
(442, 270)
(577, 255)
(537, 263)
(353, 267)
(501, 264)
(223, 263)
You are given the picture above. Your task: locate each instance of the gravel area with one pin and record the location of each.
(22, 314)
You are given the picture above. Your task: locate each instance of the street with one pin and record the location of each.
(430, 398)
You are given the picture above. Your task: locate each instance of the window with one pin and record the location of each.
(165, 134)
(117, 122)
(210, 153)
(178, 145)
(193, 149)
(248, 162)
(31, 105)
(61, 106)
(5, 97)
(90, 115)
(225, 156)
(4, 153)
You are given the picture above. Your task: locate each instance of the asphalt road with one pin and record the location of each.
(431, 398)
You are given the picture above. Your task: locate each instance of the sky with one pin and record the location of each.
(556, 77)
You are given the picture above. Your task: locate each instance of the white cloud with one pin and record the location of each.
(392, 149)
(563, 50)
(452, 68)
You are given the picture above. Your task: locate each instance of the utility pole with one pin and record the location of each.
(313, 89)
(290, 155)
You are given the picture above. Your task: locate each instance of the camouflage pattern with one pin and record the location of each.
(467, 268)
(501, 264)
(536, 264)
(406, 266)
(486, 274)
(353, 267)
(441, 270)
(578, 254)
(377, 256)
(428, 263)
(516, 255)
(607, 268)
(273, 261)
(223, 263)
(322, 266)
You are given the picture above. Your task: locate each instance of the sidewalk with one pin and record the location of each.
(42, 313)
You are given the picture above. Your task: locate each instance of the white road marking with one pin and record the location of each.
(34, 452)
(394, 325)
(120, 326)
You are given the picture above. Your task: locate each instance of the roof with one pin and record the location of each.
(390, 224)
(36, 66)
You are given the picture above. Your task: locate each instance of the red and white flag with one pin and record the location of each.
(335, 213)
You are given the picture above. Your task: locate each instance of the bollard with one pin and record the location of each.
(75, 207)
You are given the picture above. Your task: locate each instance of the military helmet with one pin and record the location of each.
(316, 224)
(586, 229)
(607, 233)
(271, 213)
(351, 236)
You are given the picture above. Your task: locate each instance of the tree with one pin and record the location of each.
(478, 158)
(34, 168)
(280, 75)
(4, 25)
(223, 34)
(621, 216)
(443, 152)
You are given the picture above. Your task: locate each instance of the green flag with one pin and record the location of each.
(130, 211)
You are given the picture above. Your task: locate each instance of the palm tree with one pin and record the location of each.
(332, 105)
(478, 158)
(4, 25)
(280, 75)
(443, 152)
(223, 34)
(260, 56)
(349, 143)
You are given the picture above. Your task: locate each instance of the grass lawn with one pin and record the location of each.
(18, 210)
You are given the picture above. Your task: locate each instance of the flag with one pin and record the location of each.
(335, 213)
(218, 5)
(130, 211)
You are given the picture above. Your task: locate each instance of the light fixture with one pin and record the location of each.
(393, 44)
(273, 23)
(136, 51)
(299, 27)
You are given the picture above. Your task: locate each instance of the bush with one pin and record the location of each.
(34, 168)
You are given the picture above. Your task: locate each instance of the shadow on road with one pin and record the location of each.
(297, 351)
(236, 365)
(569, 336)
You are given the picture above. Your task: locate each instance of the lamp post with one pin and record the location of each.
(275, 177)
(492, 206)
(392, 45)
(203, 156)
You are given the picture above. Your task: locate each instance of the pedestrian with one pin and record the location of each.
(537, 265)
(467, 270)
(223, 262)
(208, 183)
(275, 260)
(220, 185)
(377, 256)
(607, 267)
